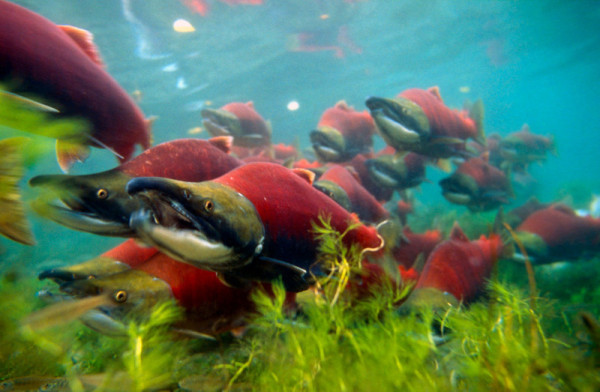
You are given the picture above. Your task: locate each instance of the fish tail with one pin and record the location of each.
(476, 113)
(13, 222)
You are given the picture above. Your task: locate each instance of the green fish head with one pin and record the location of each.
(388, 171)
(205, 224)
(131, 294)
(459, 189)
(401, 122)
(94, 203)
(335, 192)
(219, 122)
(329, 144)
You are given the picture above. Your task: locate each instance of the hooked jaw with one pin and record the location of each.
(207, 225)
(84, 206)
(400, 121)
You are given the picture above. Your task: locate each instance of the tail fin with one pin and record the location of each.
(476, 113)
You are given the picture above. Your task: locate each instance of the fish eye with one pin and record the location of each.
(102, 194)
(120, 296)
(208, 205)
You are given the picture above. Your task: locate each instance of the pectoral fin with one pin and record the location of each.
(67, 153)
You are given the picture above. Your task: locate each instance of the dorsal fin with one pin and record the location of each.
(525, 128)
(250, 104)
(223, 143)
(305, 174)
(85, 40)
(343, 105)
(458, 234)
(435, 90)
(563, 208)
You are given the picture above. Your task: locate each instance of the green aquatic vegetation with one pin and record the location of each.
(334, 340)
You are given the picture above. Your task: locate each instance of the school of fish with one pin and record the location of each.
(206, 222)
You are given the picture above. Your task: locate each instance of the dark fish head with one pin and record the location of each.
(220, 122)
(401, 122)
(95, 268)
(335, 192)
(459, 189)
(388, 171)
(94, 203)
(329, 144)
(130, 294)
(205, 224)
(535, 247)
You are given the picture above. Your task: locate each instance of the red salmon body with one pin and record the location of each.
(443, 121)
(250, 121)
(362, 202)
(459, 266)
(40, 59)
(185, 160)
(485, 175)
(564, 233)
(357, 127)
(211, 306)
(288, 206)
(406, 254)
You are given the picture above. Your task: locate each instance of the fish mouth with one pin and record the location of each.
(459, 189)
(328, 143)
(535, 248)
(400, 121)
(67, 208)
(175, 221)
(386, 173)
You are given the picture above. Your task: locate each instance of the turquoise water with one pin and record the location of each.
(530, 62)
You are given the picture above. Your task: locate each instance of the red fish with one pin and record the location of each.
(403, 208)
(478, 185)
(398, 172)
(418, 120)
(459, 266)
(415, 244)
(240, 120)
(40, 59)
(254, 223)
(344, 187)
(556, 233)
(210, 306)
(524, 147)
(98, 203)
(359, 164)
(341, 133)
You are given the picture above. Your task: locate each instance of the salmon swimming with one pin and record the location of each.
(524, 147)
(98, 203)
(253, 223)
(210, 306)
(240, 120)
(477, 185)
(460, 267)
(344, 186)
(42, 61)
(341, 133)
(418, 120)
(556, 233)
